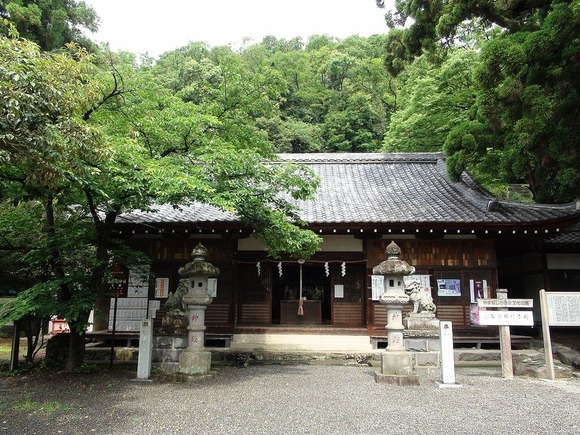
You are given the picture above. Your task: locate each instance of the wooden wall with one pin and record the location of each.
(462, 253)
(463, 259)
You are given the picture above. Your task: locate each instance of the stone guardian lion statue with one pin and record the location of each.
(422, 302)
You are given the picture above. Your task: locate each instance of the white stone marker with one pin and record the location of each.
(145, 349)
(447, 356)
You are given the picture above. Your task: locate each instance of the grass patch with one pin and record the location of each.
(6, 354)
(5, 349)
(28, 405)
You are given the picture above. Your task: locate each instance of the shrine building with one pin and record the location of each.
(461, 240)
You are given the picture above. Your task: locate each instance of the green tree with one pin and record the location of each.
(526, 115)
(84, 145)
(529, 101)
(340, 89)
(352, 125)
(433, 100)
(51, 23)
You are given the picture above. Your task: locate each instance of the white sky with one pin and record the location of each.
(146, 26)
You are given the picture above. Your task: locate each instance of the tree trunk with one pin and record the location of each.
(32, 327)
(76, 352)
(76, 344)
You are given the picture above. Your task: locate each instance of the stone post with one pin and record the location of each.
(195, 360)
(394, 303)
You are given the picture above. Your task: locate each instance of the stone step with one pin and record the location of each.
(301, 343)
(298, 343)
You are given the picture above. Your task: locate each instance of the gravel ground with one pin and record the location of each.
(287, 399)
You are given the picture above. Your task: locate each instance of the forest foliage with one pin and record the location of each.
(511, 113)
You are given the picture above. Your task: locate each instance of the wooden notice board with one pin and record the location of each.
(563, 308)
(558, 309)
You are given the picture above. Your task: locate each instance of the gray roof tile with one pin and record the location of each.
(383, 188)
(571, 238)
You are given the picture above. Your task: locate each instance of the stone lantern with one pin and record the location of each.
(396, 362)
(195, 359)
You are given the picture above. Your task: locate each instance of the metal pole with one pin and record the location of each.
(300, 280)
(113, 333)
(505, 342)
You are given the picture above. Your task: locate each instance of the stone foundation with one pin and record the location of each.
(421, 322)
(194, 363)
(396, 363)
(168, 348)
(400, 380)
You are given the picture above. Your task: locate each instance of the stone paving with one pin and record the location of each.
(287, 399)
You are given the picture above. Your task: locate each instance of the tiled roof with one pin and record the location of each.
(196, 212)
(384, 188)
(571, 238)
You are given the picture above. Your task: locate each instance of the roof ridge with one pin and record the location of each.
(566, 206)
(321, 158)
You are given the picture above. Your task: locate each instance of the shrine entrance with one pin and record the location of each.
(335, 294)
(315, 307)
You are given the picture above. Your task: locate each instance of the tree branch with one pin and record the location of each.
(115, 92)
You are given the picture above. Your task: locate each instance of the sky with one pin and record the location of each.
(153, 27)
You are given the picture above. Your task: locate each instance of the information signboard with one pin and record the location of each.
(161, 288)
(138, 286)
(558, 309)
(505, 303)
(377, 286)
(212, 287)
(563, 308)
(506, 318)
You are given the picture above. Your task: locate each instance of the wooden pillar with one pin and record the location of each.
(505, 342)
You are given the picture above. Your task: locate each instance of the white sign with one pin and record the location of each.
(377, 286)
(162, 287)
(563, 308)
(505, 303)
(212, 287)
(130, 312)
(478, 290)
(506, 318)
(449, 287)
(138, 285)
(339, 291)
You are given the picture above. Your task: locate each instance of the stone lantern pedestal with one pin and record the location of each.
(195, 360)
(396, 361)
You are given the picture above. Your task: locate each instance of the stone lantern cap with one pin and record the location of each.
(393, 265)
(199, 267)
